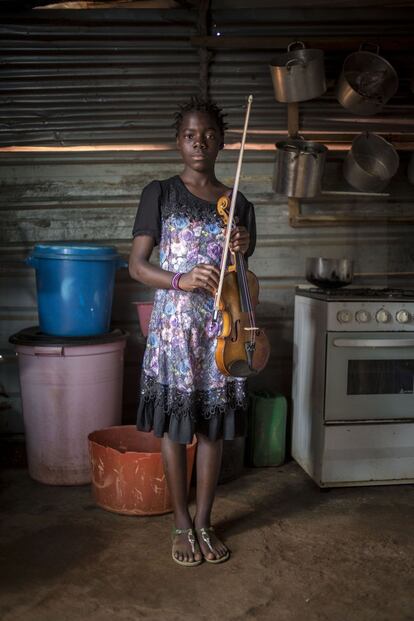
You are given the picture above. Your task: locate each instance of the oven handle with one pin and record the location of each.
(373, 342)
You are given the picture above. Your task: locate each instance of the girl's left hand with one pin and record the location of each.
(239, 239)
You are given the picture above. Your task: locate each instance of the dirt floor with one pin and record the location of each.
(298, 554)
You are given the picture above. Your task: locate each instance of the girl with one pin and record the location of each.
(182, 391)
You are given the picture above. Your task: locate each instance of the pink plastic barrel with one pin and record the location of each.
(127, 471)
(144, 310)
(68, 390)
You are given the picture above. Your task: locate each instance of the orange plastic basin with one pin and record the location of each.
(127, 471)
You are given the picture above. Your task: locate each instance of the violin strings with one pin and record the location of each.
(247, 298)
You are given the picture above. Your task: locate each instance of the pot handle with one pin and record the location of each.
(315, 155)
(294, 62)
(367, 44)
(297, 43)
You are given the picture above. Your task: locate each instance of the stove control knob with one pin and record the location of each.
(383, 316)
(362, 316)
(403, 316)
(344, 316)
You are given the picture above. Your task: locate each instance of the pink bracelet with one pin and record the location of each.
(175, 281)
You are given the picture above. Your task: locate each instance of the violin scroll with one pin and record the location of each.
(223, 208)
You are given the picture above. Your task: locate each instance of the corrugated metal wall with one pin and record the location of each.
(94, 76)
(83, 78)
(114, 78)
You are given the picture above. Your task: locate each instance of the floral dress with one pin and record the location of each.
(182, 391)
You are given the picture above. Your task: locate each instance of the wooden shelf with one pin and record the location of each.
(297, 219)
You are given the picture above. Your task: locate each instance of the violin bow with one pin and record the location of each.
(231, 212)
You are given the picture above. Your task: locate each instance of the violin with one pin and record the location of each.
(242, 347)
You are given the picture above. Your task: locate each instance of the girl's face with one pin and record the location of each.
(199, 140)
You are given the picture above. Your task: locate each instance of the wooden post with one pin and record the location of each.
(204, 54)
(293, 130)
(294, 210)
(293, 119)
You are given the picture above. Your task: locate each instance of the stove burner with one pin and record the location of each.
(366, 293)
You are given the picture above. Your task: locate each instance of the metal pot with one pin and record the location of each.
(371, 163)
(299, 166)
(366, 83)
(329, 273)
(298, 74)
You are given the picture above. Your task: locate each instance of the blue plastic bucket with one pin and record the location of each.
(75, 285)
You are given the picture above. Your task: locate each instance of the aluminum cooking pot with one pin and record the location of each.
(371, 163)
(299, 166)
(329, 273)
(298, 74)
(366, 83)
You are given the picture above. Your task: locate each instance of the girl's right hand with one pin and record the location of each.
(202, 276)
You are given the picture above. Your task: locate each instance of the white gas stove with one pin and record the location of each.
(376, 310)
(353, 385)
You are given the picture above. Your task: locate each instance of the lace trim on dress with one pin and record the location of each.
(198, 404)
(179, 201)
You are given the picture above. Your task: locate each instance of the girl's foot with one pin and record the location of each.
(214, 550)
(185, 549)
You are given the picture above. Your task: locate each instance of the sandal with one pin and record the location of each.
(192, 540)
(204, 532)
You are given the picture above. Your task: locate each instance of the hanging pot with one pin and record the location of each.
(298, 74)
(371, 163)
(366, 83)
(299, 166)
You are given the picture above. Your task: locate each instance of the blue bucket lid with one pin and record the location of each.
(75, 250)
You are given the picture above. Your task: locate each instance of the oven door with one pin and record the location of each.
(369, 376)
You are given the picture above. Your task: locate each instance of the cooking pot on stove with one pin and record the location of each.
(299, 167)
(298, 74)
(367, 82)
(329, 273)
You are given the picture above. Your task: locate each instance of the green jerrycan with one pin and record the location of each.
(266, 440)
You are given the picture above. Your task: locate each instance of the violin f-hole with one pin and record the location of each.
(235, 331)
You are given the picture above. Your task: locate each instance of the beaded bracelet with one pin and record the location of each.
(175, 281)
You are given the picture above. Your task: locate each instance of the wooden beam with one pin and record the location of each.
(313, 4)
(342, 220)
(346, 43)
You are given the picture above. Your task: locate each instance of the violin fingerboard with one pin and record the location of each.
(245, 301)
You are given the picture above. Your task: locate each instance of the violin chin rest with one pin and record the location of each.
(240, 368)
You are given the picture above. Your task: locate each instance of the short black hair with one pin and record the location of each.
(198, 104)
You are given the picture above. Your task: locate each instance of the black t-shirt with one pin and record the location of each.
(160, 198)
